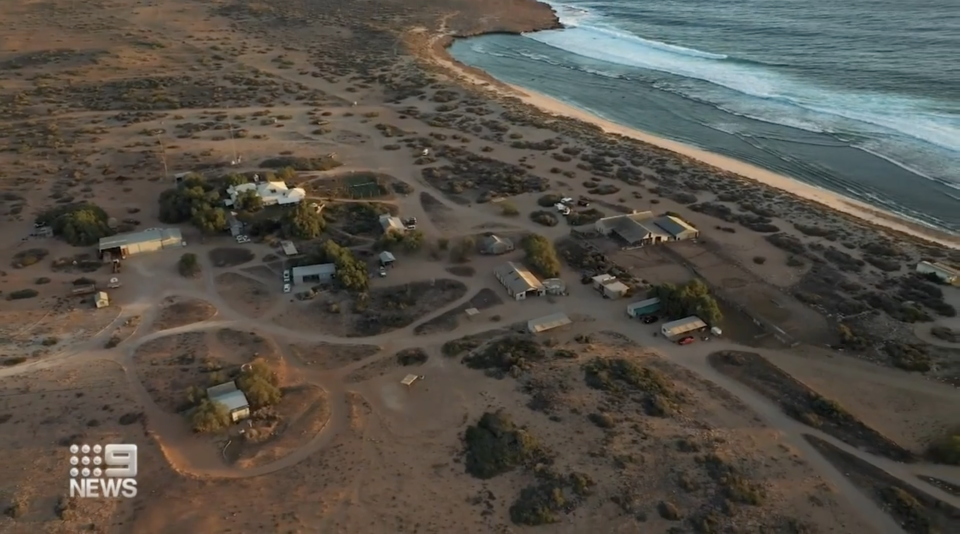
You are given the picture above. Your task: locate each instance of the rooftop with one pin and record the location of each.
(548, 322)
(945, 269)
(673, 225)
(682, 326)
(517, 279)
(232, 400)
(632, 227)
(616, 286)
(643, 303)
(389, 222)
(143, 236)
(387, 256)
(270, 192)
(221, 389)
(314, 270)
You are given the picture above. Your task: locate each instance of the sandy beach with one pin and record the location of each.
(786, 184)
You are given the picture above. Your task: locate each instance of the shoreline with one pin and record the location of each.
(863, 212)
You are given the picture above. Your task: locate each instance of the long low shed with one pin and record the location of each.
(682, 327)
(644, 307)
(548, 322)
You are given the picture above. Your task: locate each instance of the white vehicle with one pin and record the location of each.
(287, 288)
(564, 210)
(566, 200)
(383, 272)
(286, 276)
(241, 239)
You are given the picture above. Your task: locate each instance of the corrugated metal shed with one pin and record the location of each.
(682, 326)
(289, 248)
(323, 271)
(548, 322)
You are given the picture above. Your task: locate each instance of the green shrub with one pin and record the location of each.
(692, 298)
(544, 217)
(303, 222)
(209, 417)
(260, 384)
(23, 294)
(495, 445)
(188, 265)
(946, 450)
(25, 258)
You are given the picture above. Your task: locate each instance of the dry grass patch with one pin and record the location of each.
(176, 312)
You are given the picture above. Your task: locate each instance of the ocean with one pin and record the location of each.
(861, 98)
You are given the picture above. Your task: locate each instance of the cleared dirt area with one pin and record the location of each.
(379, 311)
(177, 311)
(441, 215)
(247, 296)
(327, 356)
(485, 299)
(264, 272)
(226, 257)
(916, 511)
(170, 365)
(804, 404)
(282, 429)
(41, 415)
(407, 358)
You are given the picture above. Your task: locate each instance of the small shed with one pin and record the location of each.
(601, 279)
(232, 399)
(495, 245)
(682, 327)
(102, 300)
(555, 286)
(289, 248)
(548, 322)
(643, 307)
(410, 379)
(387, 258)
(614, 289)
(313, 274)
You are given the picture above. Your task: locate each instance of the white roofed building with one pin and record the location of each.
(271, 193)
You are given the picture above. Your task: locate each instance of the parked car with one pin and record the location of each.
(687, 340)
(566, 200)
(383, 272)
(287, 288)
(286, 276)
(650, 319)
(583, 203)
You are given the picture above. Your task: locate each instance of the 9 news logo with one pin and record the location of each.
(103, 471)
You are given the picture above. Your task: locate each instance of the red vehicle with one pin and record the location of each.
(686, 341)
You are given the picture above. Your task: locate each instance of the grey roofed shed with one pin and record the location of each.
(676, 227)
(497, 245)
(144, 241)
(233, 400)
(387, 257)
(322, 272)
(682, 326)
(517, 279)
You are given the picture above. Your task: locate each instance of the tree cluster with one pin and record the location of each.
(194, 200)
(541, 255)
(409, 241)
(351, 272)
(692, 298)
(496, 445)
(303, 222)
(80, 224)
(260, 384)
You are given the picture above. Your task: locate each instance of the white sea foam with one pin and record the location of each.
(590, 34)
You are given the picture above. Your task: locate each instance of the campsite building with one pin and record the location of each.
(637, 229)
(609, 286)
(387, 258)
(392, 224)
(270, 193)
(232, 399)
(947, 274)
(518, 281)
(494, 245)
(124, 245)
(102, 300)
(313, 274)
(289, 248)
(643, 307)
(682, 327)
(549, 322)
